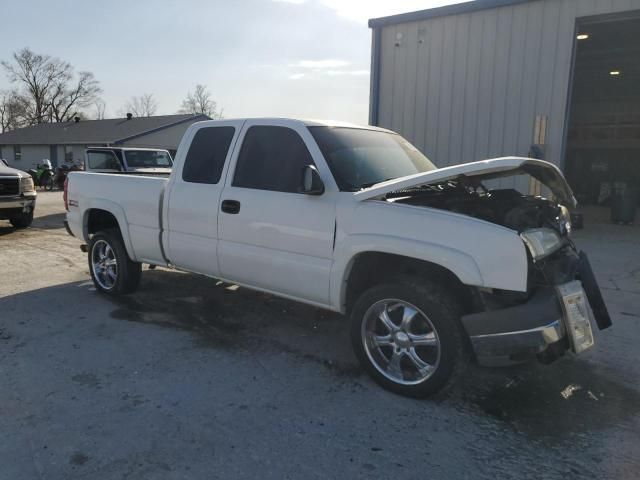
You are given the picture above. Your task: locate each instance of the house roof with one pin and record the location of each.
(112, 131)
(455, 9)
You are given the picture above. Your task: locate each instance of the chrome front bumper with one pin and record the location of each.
(552, 321)
(16, 205)
(17, 202)
(510, 347)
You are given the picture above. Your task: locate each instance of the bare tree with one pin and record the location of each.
(67, 101)
(200, 102)
(38, 75)
(100, 108)
(11, 111)
(48, 88)
(143, 106)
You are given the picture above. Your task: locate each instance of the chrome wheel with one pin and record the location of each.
(400, 341)
(104, 264)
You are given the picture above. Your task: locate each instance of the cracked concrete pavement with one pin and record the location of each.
(189, 378)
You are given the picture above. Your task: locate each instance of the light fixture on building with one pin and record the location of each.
(582, 36)
(614, 73)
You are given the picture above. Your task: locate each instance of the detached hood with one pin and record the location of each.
(546, 173)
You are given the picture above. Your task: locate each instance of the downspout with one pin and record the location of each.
(374, 91)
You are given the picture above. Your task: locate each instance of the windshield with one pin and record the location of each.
(148, 159)
(360, 158)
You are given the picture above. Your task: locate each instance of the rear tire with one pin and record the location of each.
(112, 271)
(408, 336)
(23, 220)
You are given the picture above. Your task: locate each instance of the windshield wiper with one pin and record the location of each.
(371, 184)
(425, 189)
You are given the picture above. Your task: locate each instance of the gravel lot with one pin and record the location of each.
(189, 378)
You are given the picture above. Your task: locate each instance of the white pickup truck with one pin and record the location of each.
(433, 267)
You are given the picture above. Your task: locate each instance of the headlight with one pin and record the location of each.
(564, 220)
(541, 242)
(26, 184)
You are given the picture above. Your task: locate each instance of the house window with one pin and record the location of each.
(68, 154)
(17, 152)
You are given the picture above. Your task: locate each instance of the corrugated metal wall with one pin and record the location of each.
(468, 87)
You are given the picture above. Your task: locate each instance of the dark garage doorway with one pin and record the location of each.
(603, 136)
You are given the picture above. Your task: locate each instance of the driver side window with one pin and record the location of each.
(272, 158)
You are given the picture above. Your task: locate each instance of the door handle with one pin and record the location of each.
(230, 206)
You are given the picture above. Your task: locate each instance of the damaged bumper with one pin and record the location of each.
(555, 319)
(15, 205)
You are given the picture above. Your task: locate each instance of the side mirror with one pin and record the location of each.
(311, 181)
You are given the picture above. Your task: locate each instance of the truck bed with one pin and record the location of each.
(137, 200)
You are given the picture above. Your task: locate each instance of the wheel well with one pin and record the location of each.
(98, 220)
(372, 268)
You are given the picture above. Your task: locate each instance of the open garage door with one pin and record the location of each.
(603, 139)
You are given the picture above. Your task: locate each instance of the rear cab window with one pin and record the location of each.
(148, 159)
(207, 153)
(103, 160)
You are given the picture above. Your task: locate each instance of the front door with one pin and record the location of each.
(194, 192)
(53, 155)
(271, 236)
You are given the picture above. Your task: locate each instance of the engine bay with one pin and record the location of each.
(506, 207)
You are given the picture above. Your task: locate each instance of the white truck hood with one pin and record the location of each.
(546, 173)
(9, 172)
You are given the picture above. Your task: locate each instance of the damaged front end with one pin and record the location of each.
(562, 299)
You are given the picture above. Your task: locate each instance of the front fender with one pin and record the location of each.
(461, 264)
(118, 212)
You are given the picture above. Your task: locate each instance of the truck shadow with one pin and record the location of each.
(48, 222)
(552, 403)
(227, 317)
(45, 222)
(6, 228)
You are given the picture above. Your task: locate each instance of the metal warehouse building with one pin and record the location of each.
(555, 79)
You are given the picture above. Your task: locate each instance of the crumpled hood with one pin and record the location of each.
(546, 173)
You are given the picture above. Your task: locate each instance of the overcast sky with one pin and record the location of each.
(300, 58)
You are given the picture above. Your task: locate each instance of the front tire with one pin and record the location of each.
(23, 220)
(408, 337)
(112, 271)
(48, 183)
